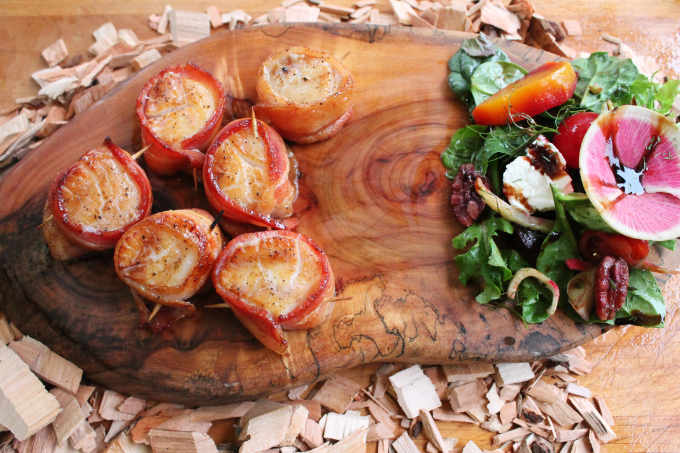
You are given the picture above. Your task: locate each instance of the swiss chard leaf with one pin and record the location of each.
(463, 63)
(483, 259)
(492, 76)
(650, 94)
(644, 303)
(504, 142)
(602, 77)
(666, 95)
(465, 143)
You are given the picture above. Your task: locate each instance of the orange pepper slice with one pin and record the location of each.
(545, 87)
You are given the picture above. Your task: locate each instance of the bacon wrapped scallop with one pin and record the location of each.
(167, 257)
(305, 94)
(94, 202)
(180, 110)
(274, 281)
(247, 174)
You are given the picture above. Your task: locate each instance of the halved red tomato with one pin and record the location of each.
(102, 195)
(247, 174)
(180, 110)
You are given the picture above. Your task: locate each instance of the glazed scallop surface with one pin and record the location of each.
(168, 257)
(246, 174)
(180, 110)
(100, 197)
(305, 94)
(275, 280)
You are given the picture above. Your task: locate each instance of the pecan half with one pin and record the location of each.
(611, 287)
(467, 204)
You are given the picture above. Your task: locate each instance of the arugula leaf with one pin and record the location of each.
(463, 64)
(534, 300)
(644, 305)
(484, 259)
(503, 142)
(602, 77)
(666, 96)
(491, 77)
(583, 212)
(464, 144)
(559, 246)
(650, 94)
(669, 244)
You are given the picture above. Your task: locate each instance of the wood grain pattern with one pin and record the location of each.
(378, 207)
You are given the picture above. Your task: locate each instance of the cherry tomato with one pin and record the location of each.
(595, 245)
(570, 135)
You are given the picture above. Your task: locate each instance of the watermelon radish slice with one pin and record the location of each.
(630, 167)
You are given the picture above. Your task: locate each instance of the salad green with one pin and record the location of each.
(487, 251)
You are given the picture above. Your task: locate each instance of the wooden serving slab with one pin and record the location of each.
(378, 207)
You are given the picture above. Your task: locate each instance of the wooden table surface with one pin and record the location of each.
(637, 369)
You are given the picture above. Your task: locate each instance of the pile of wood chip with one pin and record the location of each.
(70, 84)
(530, 408)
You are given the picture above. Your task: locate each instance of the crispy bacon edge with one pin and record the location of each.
(279, 168)
(260, 322)
(305, 123)
(106, 239)
(209, 242)
(162, 157)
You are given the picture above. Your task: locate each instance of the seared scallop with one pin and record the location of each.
(95, 201)
(305, 94)
(180, 110)
(168, 257)
(247, 174)
(275, 280)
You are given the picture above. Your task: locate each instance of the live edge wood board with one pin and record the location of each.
(378, 205)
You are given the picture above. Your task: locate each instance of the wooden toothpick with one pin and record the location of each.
(254, 121)
(155, 311)
(138, 154)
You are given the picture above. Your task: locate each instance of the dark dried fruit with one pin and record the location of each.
(611, 287)
(467, 204)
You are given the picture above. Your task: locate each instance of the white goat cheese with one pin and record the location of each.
(527, 179)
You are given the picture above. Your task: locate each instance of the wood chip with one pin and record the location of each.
(578, 390)
(108, 408)
(50, 366)
(84, 438)
(116, 427)
(215, 16)
(495, 403)
(12, 128)
(184, 422)
(354, 443)
(55, 89)
(593, 418)
(508, 412)
(494, 13)
(132, 405)
(565, 435)
(515, 434)
(128, 37)
(542, 391)
(468, 371)
(164, 20)
(340, 426)
(431, 430)
(106, 36)
(213, 413)
(404, 444)
(70, 416)
(188, 26)
(439, 380)
(580, 446)
(447, 415)
(335, 9)
(337, 393)
(145, 59)
(467, 396)
(181, 442)
(25, 406)
(362, 3)
(43, 441)
(6, 335)
(302, 12)
(312, 435)
(55, 52)
(414, 391)
(604, 410)
(513, 373)
(99, 64)
(267, 429)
